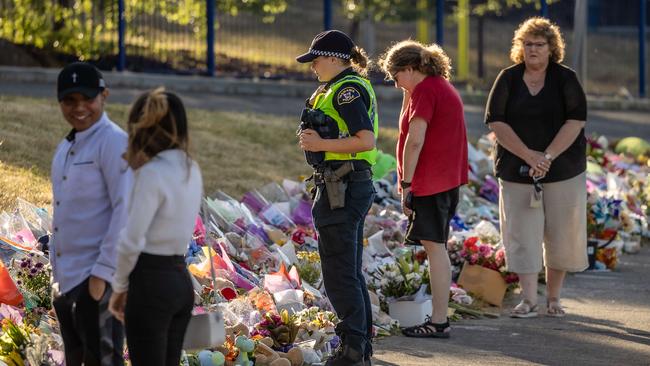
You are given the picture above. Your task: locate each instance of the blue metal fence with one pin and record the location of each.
(177, 37)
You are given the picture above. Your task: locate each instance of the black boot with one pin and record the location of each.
(346, 356)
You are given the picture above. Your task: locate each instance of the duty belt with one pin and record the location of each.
(346, 174)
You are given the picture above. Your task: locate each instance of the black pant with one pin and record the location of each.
(340, 244)
(158, 309)
(91, 336)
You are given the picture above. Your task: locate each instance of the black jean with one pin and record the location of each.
(340, 245)
(91, 336)
(158, 309)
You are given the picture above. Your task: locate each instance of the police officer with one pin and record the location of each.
(338, 135)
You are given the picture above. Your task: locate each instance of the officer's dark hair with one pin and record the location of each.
(157, 122)
(429, 60)
(359, 61)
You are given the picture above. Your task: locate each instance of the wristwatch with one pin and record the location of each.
(404, 184)
(548, 156)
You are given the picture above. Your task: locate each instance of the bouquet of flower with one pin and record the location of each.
(482, 254)
(603, 216)
(21, 343)
(401, 279)
(282, 328)
(316, 324)
(14, 339)
(308, 266)
(596, 147)
(33, 278)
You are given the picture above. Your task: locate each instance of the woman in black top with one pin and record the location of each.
(537, 109)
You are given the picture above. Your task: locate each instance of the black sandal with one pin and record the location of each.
(428, 330)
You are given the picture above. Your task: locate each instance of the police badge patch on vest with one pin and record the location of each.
(347, 95)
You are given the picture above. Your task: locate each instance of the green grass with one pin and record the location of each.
(236, 151)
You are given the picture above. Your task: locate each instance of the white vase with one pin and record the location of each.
(409, 313)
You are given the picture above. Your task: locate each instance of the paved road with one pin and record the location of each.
(614, 124)
(608, 323)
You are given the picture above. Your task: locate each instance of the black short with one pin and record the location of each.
(431, 217)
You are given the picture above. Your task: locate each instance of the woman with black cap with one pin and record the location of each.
(338, 133)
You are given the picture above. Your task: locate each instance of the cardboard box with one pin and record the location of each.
(409, 313)
(483, 282)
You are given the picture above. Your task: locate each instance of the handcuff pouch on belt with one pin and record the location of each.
(334, 183)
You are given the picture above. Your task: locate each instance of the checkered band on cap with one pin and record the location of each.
(329, 54)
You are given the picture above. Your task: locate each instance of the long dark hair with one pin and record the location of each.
(157, 122)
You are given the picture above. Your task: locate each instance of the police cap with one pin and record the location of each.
(331, 43)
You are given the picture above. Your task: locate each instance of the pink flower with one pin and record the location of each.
(500, 255)
(473, 259)
(485, 251)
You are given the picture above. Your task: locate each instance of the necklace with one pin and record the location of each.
(534, 81)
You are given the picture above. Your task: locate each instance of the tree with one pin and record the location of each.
(87, 28)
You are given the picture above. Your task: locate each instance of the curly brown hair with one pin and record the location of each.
(429, 60)
(538, 27)
(157, 121)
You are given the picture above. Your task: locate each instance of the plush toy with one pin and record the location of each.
(245, 346)
(208, 358)
(218, 359)
(266, 356)
(238, 329)
(294, 356)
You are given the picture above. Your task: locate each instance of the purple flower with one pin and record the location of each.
(33, 271)
(23, 264)
(39, 265)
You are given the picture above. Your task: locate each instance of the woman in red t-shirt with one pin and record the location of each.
(431, 162)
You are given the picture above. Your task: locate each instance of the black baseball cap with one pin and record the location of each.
(80, 77)
(332, 43)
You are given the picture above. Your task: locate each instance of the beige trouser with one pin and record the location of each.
(556, 231)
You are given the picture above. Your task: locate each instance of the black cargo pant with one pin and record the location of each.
(340, 244)
(91, 336)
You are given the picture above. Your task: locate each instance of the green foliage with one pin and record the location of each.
(497, 7)
(381, 10)
(87, 28)
(406, 10)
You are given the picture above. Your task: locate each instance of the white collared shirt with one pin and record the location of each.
(90, 185)
(163, 207)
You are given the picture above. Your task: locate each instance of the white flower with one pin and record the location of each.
(413, 276)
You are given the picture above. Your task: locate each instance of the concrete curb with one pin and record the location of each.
(271, 88)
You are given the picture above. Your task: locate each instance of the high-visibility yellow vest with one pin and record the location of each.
(325, 103)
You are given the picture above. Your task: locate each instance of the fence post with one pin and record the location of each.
(440, 20)
(423, 21)
(210, 4)
(327, 14)
(463, 40)
(642, 65)
(121, 33)
(543, 8)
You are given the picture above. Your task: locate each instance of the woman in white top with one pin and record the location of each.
(152, 288)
